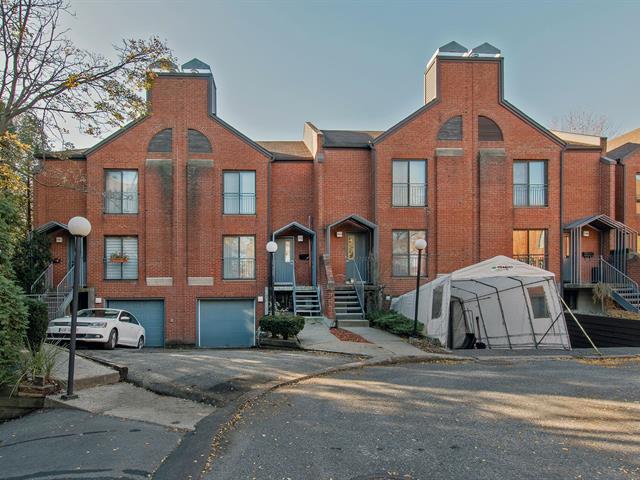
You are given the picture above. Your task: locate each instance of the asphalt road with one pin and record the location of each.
(71, 444)
(216, 377)
(503, 419)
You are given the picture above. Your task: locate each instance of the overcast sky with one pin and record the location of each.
(359, 64)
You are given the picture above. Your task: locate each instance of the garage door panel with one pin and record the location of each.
(150, 314)
(226, 323)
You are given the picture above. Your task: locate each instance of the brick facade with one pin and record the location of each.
(318, 182)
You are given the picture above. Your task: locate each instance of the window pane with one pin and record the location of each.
(417, 171)
(400, 265)
(400, 242)
(112, 192)
(520, 172)
(400, 171)
(231, 182)
(231, 192)
(248, 182)
(113, 245)
(520, 242)
(231, 247)
(415, 235)
(130, 191)
(536, 242)
(537, 173)
(130, 249)
(247, 249)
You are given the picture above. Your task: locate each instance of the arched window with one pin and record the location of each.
(161, 141)
(198, 143)
(488, 130)
(452, 129)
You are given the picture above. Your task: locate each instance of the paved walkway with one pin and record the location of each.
(316, 336)
(87, 373)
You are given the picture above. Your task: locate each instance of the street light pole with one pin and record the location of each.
(79, 227)
(421, 244)
(272, 248)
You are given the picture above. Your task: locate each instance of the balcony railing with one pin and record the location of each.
(239, 268)
(240, 203)
(535, 260)
(406, 265)
(529, 195)
(409, 194)
(121, 202)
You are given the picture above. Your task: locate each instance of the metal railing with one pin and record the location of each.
(44, 282)
(121, 202)
(535, 260)
(406, 264)
(358, 283)
(529, 195)
(239, 268)
(239, 203)
(613, 276)
(364, 267)
(409, 194)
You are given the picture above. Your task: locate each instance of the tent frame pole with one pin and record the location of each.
(504, 321)
(550, 327)
(524, 292)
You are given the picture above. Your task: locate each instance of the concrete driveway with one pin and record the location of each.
(216, 377)
(495, 419)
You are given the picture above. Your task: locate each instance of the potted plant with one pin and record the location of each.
(118, 257)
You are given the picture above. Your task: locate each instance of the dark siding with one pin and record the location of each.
(161, 141)
(488, 130)
(452, 129)
(198, 143)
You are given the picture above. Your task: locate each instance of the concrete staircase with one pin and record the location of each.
(307, 302)
(347, 308)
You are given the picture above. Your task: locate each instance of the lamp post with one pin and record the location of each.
(272, 248)
(79, 227)
(421, 244)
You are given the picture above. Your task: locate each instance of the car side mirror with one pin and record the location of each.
(125, 319)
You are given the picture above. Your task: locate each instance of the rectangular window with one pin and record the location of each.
(239, 261)
(530, 246)
(409, 183)
(405, 254)
(530, 183)
(121, 191)
(637, 192)
(240, 193)
(538, 302)
(121, 258)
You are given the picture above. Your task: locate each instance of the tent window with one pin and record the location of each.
(436, 304)
(538, 302)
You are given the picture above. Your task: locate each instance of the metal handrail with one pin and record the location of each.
(66, 284)
(47, 274)
(614, 273)
(358, 284)
(293, 283)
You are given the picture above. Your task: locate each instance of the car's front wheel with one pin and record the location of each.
(140, 342)
(113, 340)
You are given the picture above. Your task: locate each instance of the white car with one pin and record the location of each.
(108, 326)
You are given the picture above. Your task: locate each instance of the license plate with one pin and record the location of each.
(64, 330)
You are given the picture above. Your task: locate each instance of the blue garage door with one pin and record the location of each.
(150, 314)
(226, 323)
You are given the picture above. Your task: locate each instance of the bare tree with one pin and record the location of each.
(588, 123)
(47, 82)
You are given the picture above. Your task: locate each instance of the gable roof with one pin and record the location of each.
(623, 151)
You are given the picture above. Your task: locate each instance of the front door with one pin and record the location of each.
(357, 255)
(71, 258)
(284, 266)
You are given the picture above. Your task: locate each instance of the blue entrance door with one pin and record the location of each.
(283, 271)
(226, 323)
(357, 256)
(150, 314)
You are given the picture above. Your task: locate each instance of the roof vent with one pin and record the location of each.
(484, 50)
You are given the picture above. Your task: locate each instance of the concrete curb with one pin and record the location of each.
(122, 370)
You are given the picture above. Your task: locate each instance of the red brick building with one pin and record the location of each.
(182, 204)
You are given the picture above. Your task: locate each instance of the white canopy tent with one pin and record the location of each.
(500, 302)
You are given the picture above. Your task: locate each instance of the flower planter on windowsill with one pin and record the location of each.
(118, 260)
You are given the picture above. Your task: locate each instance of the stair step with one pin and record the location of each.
(353, 323)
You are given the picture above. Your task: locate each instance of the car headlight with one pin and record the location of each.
(98, 324)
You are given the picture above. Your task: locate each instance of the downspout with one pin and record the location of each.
(562, 220)
(374, 156)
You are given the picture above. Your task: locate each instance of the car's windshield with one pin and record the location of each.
(98, 312)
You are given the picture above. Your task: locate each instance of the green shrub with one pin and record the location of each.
(393, 322)
(13, 328)
(38, 321)
(284, 325)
